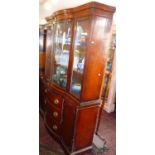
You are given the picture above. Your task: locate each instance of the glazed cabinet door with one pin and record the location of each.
(96, 56)
(82, 29)
(86, 120)
(48, 52)
(60, 53)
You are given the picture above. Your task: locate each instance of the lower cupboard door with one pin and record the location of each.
(68, 125)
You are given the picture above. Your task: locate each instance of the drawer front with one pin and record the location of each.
(52, 124)
(55, 100)
(55, 113)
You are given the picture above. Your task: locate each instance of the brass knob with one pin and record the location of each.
(56, 101)
(45, 90)
(55, 114)
(55, 127)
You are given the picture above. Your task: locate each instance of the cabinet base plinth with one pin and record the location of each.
(82, 150)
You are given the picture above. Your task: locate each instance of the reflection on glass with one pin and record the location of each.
(107, 78)
(49, 37)
(111, 52)
(41, 35)
(61, 47)
(79, 56)
(104, 86)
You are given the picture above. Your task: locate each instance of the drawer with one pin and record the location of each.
(55, 100)
(52, 124)
(55, 113)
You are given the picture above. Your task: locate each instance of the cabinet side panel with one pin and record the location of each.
(41, 95)
(96, 59)
(68, 125)
(86, 123)
(42, 56)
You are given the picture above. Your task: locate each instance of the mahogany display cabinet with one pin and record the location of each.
(75, 66)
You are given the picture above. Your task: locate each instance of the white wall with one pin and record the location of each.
(47, 7)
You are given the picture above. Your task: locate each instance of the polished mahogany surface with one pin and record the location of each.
(70, 90)
(86, 121)
(42, 49)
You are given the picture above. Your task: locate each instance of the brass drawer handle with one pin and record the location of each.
(56, 101)
(45, 90)
(55, 114)
(55, 127)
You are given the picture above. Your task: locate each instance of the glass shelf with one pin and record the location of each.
(60, 78)
(78, 71)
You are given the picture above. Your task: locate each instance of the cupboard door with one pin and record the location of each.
(60, 53)
(80, 45)
(68, 124)
(85, 127)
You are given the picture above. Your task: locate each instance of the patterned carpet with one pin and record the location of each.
(44, 150)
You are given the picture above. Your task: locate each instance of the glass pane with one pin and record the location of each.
(105, 86)
(41, 36)
(110, 57)
(49, 41)
(60, 55)
(111, 51)
(79, 56)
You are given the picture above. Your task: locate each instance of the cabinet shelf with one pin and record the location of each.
(61, 65)
(78, 71)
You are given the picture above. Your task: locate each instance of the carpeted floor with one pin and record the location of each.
(107, 130)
